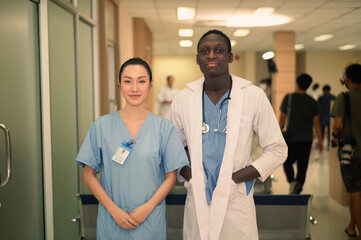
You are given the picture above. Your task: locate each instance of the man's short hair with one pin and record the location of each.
(169, 77)
(214, 31)
(326, 88)
(304, 81)
(353, 72)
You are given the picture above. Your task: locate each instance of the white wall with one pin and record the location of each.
(125, 34)
(244, 65)
(325, 67)
(126, 43)
(183, 68)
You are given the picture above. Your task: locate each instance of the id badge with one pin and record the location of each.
(121, 154)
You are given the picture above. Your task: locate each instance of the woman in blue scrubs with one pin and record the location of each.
(138, 154)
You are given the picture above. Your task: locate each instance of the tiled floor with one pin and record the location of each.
(332, 216)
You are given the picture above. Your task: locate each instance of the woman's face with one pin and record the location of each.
(135, 84)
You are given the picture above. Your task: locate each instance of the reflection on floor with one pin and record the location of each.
(332, 216)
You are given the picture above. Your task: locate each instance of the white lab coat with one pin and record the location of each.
(231, 214)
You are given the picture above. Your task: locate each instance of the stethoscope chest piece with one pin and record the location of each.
(205, 128)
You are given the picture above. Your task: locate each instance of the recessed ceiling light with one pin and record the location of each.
(185, 32)
(299, 46)
(248, 20)
(233, 43)
(264, 11)
(268, 55)
(185, 43)
(184, 13)
(241, 33)
(323, 37)
(347, 47)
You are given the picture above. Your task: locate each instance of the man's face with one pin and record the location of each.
(170, 81)
(213, 56)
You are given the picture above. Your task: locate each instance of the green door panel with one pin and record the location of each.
(63, 120)
(21, 211)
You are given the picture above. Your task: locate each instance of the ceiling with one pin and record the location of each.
(310, 18)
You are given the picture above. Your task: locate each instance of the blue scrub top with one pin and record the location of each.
(157, 150)
(213, 143)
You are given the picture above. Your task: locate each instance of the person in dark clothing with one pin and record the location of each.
(301, 114)
(347, 125)
(324, 102)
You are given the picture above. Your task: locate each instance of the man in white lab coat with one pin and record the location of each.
(165, 97)
(216, 117)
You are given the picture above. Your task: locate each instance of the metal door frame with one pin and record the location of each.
(46, 120)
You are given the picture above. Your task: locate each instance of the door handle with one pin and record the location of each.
(75, 220)
(8, 154)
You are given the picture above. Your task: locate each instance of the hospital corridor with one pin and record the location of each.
(60, 66)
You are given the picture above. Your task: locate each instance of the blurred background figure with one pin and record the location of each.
(300, 112)
(347, 136)
(314, 92)
(266, 85)
(324, 101)
(165, 97)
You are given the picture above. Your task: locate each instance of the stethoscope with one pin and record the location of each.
(205, 126)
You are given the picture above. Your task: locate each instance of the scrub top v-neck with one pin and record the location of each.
(213, 142)
(127, 132)
(157, 149)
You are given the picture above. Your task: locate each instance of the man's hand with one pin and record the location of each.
(186, 172)
(245, 174)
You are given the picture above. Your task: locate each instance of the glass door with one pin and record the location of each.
(72, 105)
(21, 200)
(63, 103)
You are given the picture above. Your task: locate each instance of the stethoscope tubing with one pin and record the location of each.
(204, 125)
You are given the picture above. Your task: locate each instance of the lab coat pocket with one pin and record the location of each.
(249, 186)
(234, 185)
(241, 189)
(245, 188)
(236, 196)
(236, 189)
